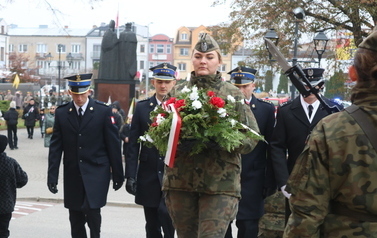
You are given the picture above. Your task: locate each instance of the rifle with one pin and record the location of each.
(299, 79)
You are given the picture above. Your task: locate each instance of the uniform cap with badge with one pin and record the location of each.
(164, 71)
(315, 76)
(242, 76)
(79, 83)
(206, 44)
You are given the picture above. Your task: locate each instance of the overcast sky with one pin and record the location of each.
(163, 16)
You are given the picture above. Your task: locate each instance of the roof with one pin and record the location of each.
(42, 31)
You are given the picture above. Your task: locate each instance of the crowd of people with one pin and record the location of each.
(322, 163)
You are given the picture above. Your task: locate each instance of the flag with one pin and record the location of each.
(16, 81)
(130, 111)
(109, 101)
(141, 75)
(177, 74)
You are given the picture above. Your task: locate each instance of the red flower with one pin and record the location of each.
(163, 114)
(217, 102)
(180, 103)
(211, 94)
(170, 101)
(154, 124)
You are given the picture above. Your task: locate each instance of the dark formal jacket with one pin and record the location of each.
(254, 164)
(30, 114)
(11, 177)
(125, 132)
(91, 154)
(11, 117)
(151, 164)
(290, 135)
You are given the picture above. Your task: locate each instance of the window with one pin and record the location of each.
(168, 49)
(96, 51)
(184, 36)
(22, 48)
(151, 64)
(41, 48)
(62, 48)
(182, 66)
(75, 48)
(11, 48)
(142, 48)
(151, 48)
(142, 64)
(160, 49)
(222, 68)
(75, 65)
(184, 51)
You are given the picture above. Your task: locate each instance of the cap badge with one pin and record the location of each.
(78, 77)
(165, 66)
(310, 73)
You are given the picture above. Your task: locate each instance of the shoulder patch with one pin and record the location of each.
(285, 103)
(264, 100)
(101, 103)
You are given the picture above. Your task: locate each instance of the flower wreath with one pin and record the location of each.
(204, 117)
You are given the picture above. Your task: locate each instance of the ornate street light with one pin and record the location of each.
(60, 46)
(271, 35)
(69, 59)
(48, 58)
(320, 43)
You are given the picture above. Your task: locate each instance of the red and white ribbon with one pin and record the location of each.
(175, 130)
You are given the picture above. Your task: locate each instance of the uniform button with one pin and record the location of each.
(80, 161)
(159, 172)
(80, 147)
(79, 134)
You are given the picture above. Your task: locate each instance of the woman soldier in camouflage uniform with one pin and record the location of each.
(202, 191)
(333, 184)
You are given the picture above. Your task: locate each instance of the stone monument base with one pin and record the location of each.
(117, 90)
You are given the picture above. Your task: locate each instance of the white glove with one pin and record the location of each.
(285, 193)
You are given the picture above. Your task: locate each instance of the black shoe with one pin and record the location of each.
(16, 147)
(11, 148)
(31, 137)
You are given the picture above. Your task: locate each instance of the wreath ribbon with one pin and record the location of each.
(175, 130)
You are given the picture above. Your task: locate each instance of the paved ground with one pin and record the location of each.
(41, 214)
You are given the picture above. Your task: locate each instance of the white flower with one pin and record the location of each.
(233, 122)
(194, 95)
(143, 138)
(231, 98)
(148, 138)
(222, 112)
(185, 90)
(196, 104)
(159, 119)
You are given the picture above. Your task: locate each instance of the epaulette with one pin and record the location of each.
(285, 103)
(63, 105)
(264, 100)
(102, 103)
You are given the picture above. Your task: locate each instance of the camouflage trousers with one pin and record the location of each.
(199, 215)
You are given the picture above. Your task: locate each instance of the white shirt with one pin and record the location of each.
(83, 107)
(305, 105)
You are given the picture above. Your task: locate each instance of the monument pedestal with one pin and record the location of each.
(118, 90)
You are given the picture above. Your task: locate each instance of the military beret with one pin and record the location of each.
(206, 44)
(370, 42)
(242, 75)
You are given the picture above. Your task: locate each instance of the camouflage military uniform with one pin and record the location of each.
(212, 172)
(271, 224)
(337, 167)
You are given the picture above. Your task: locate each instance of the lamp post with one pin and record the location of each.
(69, 58)
(320, 43)
(300, 15)
(271, 35)
(60, 46)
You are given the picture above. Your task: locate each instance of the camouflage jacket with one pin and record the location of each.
(337, 166)
(212, 171)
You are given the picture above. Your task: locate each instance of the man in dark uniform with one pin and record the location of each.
(145, 182)
(294, 122)
(255, 165)
(85, 132)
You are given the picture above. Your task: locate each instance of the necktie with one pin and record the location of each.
(80, 114)
(310, 110)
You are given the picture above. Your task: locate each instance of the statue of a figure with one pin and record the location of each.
(109, 64)
(127, 54)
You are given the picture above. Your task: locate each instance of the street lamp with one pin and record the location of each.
(69, 59)
(320, 43)
(60, 46)
(271, 35)
(49, 58)
(300, 15)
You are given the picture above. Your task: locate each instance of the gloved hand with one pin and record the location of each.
(131, 186)
(186, 145)
(117, 185)
(52, 187)
(285, 193)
